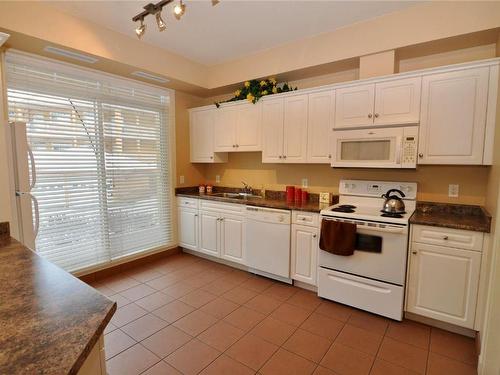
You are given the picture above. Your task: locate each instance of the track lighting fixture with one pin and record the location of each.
(159, 21)
(155, 9)
(179, 10)
(141, 29)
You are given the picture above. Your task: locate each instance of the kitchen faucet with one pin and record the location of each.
(247, 189)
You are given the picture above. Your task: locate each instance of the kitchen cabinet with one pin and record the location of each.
(443, 278)
(284, 122)
(385, 103)
(209, 233)
(320, 126)
(453, 117)
(95, 364)
(201, 135)
(237, 128)
(304, 253)
(188, 227)
(232, 244)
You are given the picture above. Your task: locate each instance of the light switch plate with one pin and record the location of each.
(305, 183)
(324, 198)
(217, 179)
(181, 179)
(453, 190)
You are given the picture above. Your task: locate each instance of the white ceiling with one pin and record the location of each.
(234, 28)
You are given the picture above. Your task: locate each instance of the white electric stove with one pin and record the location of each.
(373, 278)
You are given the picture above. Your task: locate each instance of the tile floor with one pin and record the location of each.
(187, 315)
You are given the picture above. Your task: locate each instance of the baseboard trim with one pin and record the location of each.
(442, 325)
(113, 269)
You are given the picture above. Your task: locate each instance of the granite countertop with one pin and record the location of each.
(456, 216)
(273, 199)
(49, 320)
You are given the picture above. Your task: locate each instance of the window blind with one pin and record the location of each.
(101, 151)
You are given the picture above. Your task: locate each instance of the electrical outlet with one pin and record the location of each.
(304, 183)
(181, 179)
(217, 179)
(453, 190)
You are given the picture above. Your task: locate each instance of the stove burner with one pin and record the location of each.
(395, 216)
(347, 208)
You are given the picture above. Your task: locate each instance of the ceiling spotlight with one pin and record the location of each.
(159, 21)
(140, 30)
(215, 2)
(179, 10)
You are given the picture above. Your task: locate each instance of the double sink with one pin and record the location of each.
(241, 196)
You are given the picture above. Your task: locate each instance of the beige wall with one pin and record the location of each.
(193, 173)
(490, 356)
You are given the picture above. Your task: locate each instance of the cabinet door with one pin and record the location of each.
(209, 233)
(443, 283)
(319, 127)
(453, 117)
(272, 131)
(397, 102)
(225, 129)
(295, 129)
(354, 106)
(304, 253)
(201, 135)
(188, 228)
(248, 128)
(233, 238)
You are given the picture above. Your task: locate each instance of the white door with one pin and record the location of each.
(201, 134)
(453, 117)
(209, 233)
(304, 253)
(397, 102)
(233, 238)
(443, 283)
(272, 131)
(248, 128)
(319, 126)
(188, 228)
(225, 129)
(354, 106)
(295, 129)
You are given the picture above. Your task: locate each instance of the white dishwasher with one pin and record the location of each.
(268, 242)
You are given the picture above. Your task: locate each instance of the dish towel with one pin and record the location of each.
(337, 237)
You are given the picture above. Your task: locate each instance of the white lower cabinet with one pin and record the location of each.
(188, 227)
(209, 233)
(443, 283)
(95, 364)
(232, 234)
(304, 253)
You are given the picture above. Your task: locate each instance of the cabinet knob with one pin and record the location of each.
(315, 235)
(280, 156)
(370, 115)
(211, 157)
(420, 155)
(195, 215)
(414, 252)
(234, 146)
(284, 156)
(237, 145)
(445, 238)
(376, 115)
(329, 156)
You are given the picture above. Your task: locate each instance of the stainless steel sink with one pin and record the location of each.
(236, 195)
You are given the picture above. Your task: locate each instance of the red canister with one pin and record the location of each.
(298, 194)
(304, 196)
(290, 193)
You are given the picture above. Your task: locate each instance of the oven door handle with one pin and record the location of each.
(395, 230)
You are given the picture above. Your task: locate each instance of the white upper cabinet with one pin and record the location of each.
(397, 102)
(453, 117)
(272, 130)
(238, 128)
(295, 129)
(319, 126)
(386, 103)
(201, 135)
(354, 106)
(284, 123)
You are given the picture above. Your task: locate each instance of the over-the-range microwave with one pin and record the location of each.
(375, 147)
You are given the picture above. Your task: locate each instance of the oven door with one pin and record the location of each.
(380, 254)
(372, 148)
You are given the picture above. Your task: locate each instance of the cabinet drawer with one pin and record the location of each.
(221, 207)
(187, 202)
(462, 239)
(305, 218)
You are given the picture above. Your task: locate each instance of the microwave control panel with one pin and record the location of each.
(409, 148)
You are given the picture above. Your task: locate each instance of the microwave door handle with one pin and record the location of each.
(398, 151)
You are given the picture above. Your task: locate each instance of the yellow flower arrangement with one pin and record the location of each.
(247, 84)
(275, 90)
(237, 93)
(272, 80)
(250, 97)
(264, 92)
(263, 83)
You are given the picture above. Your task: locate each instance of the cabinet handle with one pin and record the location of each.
(414, 252)
(445, 238)
(284, 156)
(234, 145)
(237, 145)
(420, 155)
(376, 115)
(329, 156)
(221, 219)
(195, 215)
(370, 115)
